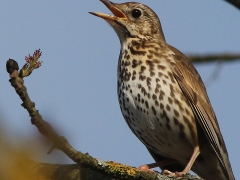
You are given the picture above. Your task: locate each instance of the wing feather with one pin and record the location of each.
(193, 88)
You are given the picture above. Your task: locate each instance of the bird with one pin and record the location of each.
(163, 98)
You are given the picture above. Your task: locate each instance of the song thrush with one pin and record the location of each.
(162, 97)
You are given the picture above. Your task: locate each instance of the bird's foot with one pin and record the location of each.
(145, 168)
(173, 174)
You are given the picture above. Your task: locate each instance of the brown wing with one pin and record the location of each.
(193, 88)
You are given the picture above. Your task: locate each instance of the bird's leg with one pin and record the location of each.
(195, 154)
(148, 167)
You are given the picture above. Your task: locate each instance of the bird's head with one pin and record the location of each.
(133, 20)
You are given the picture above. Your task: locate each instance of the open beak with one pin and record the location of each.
(117, 13)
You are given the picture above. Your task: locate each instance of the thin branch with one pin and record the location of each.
(73, 171)
(235, 3)
(227, 57)
(65, 171)
(109, 168)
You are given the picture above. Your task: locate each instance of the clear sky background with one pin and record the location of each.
(75, 89)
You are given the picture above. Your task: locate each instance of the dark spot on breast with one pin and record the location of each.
(149, 82)
(126, 63)
(182, 133)
(160, 97)
(172, 63)
(160, 74)
(149, 62)
(149, 95)
(162, 93)
(176, 122)
(143, 90)
(187, 112)
(161, 67)
(154, 97)
(179, 104)
(146, 103)
(149, 56)
(176, 113)
(136, 52)
(134, 63)
(143, 68)
(125, 52)
(154, 110)
(161, 106)
(134, 75)
(165, 116)
(152, 74)
(171, 77)
(168, 107)
(172, 94)
(155, 61)
(166, 76)
(170, 100)
(168, 127)
(142, 77)
(164, 82)
(185, 119)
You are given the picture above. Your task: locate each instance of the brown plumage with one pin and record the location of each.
(163, 99)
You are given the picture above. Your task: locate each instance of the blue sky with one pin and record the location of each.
(75, 89)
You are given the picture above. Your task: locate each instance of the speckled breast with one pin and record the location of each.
(152, 102)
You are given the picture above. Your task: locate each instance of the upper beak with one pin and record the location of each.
(118, 14)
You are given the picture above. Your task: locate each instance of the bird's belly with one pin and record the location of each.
(161, 119)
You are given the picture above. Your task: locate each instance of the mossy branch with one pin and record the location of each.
(110, 169)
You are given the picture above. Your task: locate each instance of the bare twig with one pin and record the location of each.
(227, 57)
(109, 168)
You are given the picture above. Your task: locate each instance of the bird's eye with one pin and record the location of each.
(136, 13)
